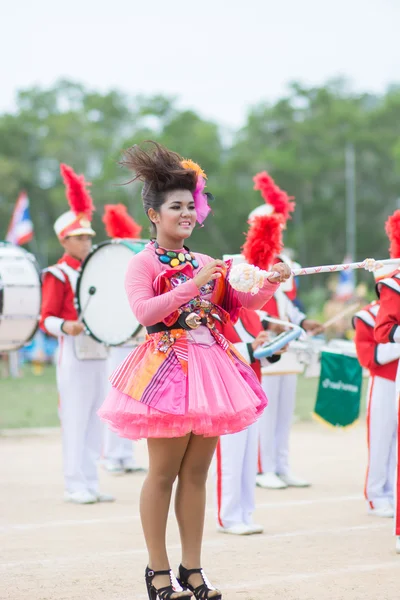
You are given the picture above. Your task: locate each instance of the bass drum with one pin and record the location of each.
(20, 296)
(101, 295)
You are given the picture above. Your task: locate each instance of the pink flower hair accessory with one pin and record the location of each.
(200, 197)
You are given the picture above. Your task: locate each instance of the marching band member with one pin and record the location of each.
(387, 330)
(236, 454)
(118, 452)
(186, 385)
(280, 388)
(382, 361)
(81, 372)
(275, 424)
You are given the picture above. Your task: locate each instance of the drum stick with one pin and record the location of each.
(92, 290)
(339, 315)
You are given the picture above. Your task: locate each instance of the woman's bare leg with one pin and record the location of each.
(165, 459)
(190, 501)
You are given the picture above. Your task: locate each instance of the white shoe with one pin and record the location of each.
(114, 466)
(293, 481)
(255, 527)
(398, 544)
(129, 466)
(384, 511)
(81, 497)
(270, 481)
(102, 497)
(241, 529)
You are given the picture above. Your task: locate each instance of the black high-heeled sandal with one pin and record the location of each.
(201, 591)
(164, 593)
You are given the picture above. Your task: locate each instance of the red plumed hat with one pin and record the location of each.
(392, 228)
(118, 223)
(263, 241)
(78, 195)
(272, 194)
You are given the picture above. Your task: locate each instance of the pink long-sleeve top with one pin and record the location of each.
(150, 308)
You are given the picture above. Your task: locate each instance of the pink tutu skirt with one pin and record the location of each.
(222, 395)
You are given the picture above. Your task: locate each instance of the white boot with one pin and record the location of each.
(398, 544)
(384, 510)
(241, 529)
(102, 497)
(255, 527)
(113, 466)
(81, 497)
(270, 481)
(293, 481)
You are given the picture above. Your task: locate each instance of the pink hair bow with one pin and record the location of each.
(201, 200)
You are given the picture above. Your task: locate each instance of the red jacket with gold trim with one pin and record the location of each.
(58, 295)
(380, 359)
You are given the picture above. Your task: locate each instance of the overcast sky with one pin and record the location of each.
(216, 56)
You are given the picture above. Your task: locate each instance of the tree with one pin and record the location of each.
(300, 140)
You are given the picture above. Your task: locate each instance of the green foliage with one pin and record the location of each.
(300, 140)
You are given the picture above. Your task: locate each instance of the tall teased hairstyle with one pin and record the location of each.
(118, 222)
(77, 192)
(392, 228)
(160, 170)
(263, 241)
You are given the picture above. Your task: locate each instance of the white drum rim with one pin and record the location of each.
(31, 257)
(93, 250)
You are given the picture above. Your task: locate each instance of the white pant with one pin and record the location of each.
(81, 386)
(397, 477)
(276, 422)
(381, 436)
(115, 447)
(236, 470)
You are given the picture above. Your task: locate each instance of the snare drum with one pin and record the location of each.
(289, 364)
(106, 313)
(20, 296)
(346, 347)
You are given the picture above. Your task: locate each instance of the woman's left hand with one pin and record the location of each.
(312, 327)
(283, 350)
(282, 273)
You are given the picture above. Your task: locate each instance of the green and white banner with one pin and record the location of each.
(339, 390)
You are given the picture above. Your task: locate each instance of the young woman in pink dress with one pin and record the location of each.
(186, 385)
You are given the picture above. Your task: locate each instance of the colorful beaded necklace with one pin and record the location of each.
(175, 259)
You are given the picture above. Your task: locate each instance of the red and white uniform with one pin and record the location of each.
(280, 389)
(116, 448)
(236, 454)
(382, 361)
(387, 329)
(81, 382)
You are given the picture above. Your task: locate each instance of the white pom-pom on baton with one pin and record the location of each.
(372, 265)
(247, 278)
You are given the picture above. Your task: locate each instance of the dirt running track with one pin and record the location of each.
(318, 542)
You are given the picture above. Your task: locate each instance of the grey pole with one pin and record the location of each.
(350, 202)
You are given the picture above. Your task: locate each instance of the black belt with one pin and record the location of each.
(179, 324)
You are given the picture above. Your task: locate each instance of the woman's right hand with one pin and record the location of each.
(262, 338)
(72, 327)
(213, 270)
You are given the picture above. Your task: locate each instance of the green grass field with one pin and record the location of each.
(31, 401)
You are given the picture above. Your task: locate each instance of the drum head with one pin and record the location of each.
(106, 313)
(20, 296)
